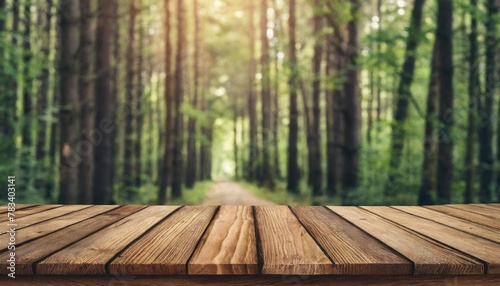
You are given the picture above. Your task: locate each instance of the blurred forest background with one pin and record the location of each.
(300, 101)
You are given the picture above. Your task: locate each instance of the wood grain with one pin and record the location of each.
(479, 210)
(31, 252)
(252, 280)
(229, 245)
(46, 215)
(167, 247)
(487, 206)
(4, 208)
(285, 245)
(436, 259)
(37, 230)
(470, 216)
(458, 223)
(475, 246)
(351, 249)
(90, 255)
(32, 209)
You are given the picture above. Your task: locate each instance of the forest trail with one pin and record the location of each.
(227, 192)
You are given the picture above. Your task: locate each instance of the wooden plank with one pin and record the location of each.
(31, 252)
(458, 223)
(479, 210)
(37, 230)
(166, 248)
(4, 208)
(474, 217)
(472, 245)
(437, 257)
(46, 215)
(229, 245)
(29, 211)
(351, 249)
(90, 255)
(285, 245)
(487, 206)
(252, 280)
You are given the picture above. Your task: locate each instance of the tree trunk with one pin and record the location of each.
(403, 96)
(293, 173)
(139, 103)
(70, 105)
(191, 167)
(428, 183)
(177, 161)
(444, 34)
(128, 172)
(86, 93)
(252, 100)
(266, 178)
(44, 21)
(379, 78)
(315, 170)
(352, 108)
(103, 180)
(27, 83)
(338, 159)
(486, 123)
(115, 88)
(474, 93)
(277, 29)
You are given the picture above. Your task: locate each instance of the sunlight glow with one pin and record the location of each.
(239, 14)
(258, 76)
(270, 34)
(220, 91)
(401, 11)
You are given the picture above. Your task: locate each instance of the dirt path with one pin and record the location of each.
(230, 193)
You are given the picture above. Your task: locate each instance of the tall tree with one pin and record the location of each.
(315, 170)
(27, 90)
(128, 172)
(444, 36)
(177, 161)
(86, 93)
(70, 105)
(352, 116)
(277, 32)
(265, 170)
(428, 181)
(44, 21)
(191, 154)
(166, 169)
(139, 101)
(293, 174)
(404, 93)
(252, 99)
(486, 123)
(474, 93)
(103, 180)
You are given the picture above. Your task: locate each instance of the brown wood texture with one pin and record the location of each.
(494, 213)
(470, 216)
(229, 245)
(31, 252)
(90, 255)
(475, 246)
(351, 249)
(40, 229)
(167, 247)
(458, 223)
(285, 245)
(252, 280)
(19, 213)
(487, 206)
(437, 257)
(4, 208)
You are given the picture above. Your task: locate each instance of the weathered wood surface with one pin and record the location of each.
(410, 245)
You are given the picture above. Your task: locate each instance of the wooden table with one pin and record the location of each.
(262, 245)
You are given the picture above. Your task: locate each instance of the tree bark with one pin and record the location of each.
(104, 124)
(444, 34)
(352, 109)
(27, 137)
(404, 94)
(293, 173)
(191, 167)
(86, 93)
(428, 183)
(277, 29)
(177, 161)
(139, 102)
(70, 105)
(252, 100)
(315, 170)
(128, 172)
